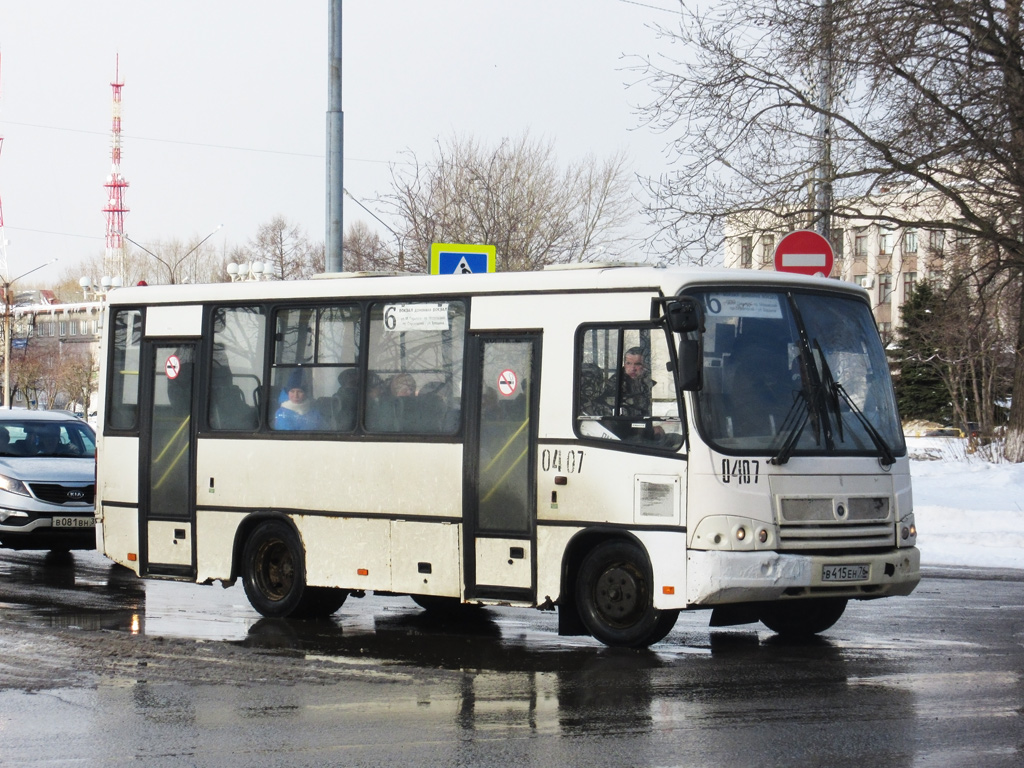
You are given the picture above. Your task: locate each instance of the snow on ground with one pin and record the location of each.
(969, 510)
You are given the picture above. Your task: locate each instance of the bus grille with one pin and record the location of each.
(54, 493)
(830, 523)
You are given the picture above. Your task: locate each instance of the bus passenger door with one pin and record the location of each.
(499, 500)
(166, 461)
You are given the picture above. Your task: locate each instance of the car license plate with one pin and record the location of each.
(74, 522)
(857, 572)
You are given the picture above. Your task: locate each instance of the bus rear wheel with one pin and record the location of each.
(802, 618)
(615, 598)
(274, 576)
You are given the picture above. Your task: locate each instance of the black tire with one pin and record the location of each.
(802, 618)
(615, 598)
(274, 576)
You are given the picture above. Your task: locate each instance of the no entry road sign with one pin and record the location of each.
(804, 252)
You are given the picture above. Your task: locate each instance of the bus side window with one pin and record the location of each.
(617, 397)
(237, 368)
(123, 412)
(414, 383)
(318, 348)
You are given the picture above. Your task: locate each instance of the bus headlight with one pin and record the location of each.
(733, 533)
(907, 531)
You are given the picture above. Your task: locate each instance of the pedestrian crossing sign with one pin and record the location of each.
(459, 259)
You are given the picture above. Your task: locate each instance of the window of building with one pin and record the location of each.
(767, 249)
(860, 246)
(63, 328)
(909, 283)
(885, 287)
(837, 243)
(885, 331)
(73, 328)
(936, 241)
(862, 281)
(910, 241)
(885, 242)
(746, 252)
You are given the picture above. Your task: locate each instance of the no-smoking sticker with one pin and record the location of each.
(507, 381)
(172, 367)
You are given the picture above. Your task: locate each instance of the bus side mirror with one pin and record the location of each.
(684, 315)
(689, 365)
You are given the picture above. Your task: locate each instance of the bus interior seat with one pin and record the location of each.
(228, 409)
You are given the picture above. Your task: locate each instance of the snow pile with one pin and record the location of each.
(969, 511)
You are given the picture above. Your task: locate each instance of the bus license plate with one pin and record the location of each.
(844, 572)
(74, 522)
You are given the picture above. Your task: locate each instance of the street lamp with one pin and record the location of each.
(7, 283)
(170, 267)
(254, 270)
(100, 291)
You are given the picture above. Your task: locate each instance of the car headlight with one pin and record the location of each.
(13, 485)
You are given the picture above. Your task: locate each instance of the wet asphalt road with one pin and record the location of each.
(100, 669)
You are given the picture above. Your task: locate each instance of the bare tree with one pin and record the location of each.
(514, 197)
(786, 99)
(286, 251)
(75, 376)
(366, 252)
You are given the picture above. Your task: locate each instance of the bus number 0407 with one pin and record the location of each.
(744, 471)
(555, 460)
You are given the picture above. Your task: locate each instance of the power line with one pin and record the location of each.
(231, 147)
(651, 7)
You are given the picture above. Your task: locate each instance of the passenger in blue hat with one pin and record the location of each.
(297, 411)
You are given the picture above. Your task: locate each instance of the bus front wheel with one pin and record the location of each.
(615, 597)
(274, 576)
(802, 618)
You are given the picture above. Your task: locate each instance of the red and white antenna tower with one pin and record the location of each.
(115, 257)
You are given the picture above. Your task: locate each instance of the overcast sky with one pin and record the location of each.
(224, 105)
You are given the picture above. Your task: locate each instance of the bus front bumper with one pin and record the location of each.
(716, 577)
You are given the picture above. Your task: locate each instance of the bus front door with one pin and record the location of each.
(166, 471)
(500, 497)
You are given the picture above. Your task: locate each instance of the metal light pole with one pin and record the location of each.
(7, 283)
(335, 143)
(170, 269)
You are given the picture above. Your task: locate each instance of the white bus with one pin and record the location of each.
(619, 444)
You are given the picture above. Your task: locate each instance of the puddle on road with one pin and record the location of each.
(85, 591)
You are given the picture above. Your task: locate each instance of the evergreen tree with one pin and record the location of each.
(921, 392)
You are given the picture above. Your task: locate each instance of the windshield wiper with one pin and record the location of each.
(792, 426)
(836, 391)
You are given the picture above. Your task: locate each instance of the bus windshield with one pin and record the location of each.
(790, 373)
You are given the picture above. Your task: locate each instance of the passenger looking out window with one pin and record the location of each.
(296, 411)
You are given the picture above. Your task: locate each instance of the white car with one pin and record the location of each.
(47, 481)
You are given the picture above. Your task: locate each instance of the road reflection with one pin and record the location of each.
(493, 673)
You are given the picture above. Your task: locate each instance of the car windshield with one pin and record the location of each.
(47, 438)
(791, 373)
